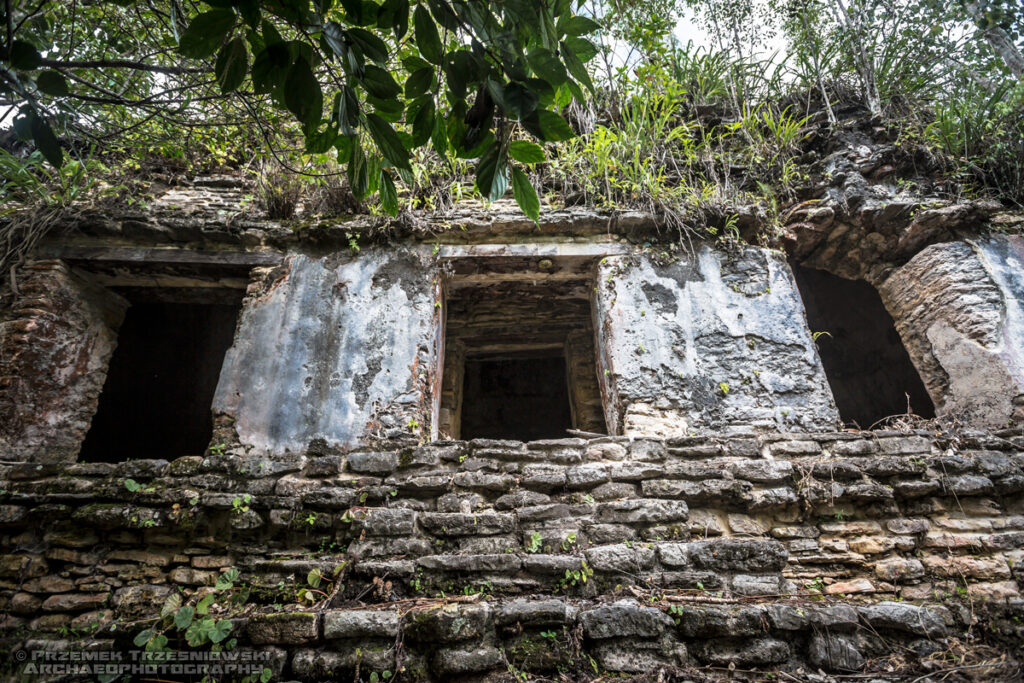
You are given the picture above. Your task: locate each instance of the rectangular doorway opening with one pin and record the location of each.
(867, 366)
(522, 397)
(519, 358)
(160, 383)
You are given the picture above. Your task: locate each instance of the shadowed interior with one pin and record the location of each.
(867, 366)
(515, 398)
(156, 399)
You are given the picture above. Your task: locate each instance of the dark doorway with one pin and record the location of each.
(868, 368)
(156, 399)
(515, 398)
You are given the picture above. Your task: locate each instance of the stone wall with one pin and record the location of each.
(706, 342)
(788, 552)
(336, 349)
(959, 307)
(55, 343)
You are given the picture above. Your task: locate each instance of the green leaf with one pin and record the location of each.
(394, 14)
(196, 635)
(576, 67)
(171, 605)
(583, 48)
(492, 173)
(519, 100)
(270, 33)
(462, 69)
(347, 103)
(227, 579)
(423, 123)
(206, 33)
(547, 66)
(372, 46)
(250, 11)
(443, 14)
(203, 607)
(526, 195)
(157, 643)
(335, 37)
(320, 141)
(24, 55)
(577, 25)
(526, 152)
(388, 193)
(390, 110)
(143, 637)
(270, 67)
(46, 143)
(232, 65)
(302, 93)
(52, 83)
(356, 12)
(183, 618)
(419, 82)
(414, 63)
(358, 174)
(389, 144)
(553, 127)
(379, 83)
(313, 578)
(390, 12)
(343, 144)
(220, 631)
(439, 136)
(427, 38)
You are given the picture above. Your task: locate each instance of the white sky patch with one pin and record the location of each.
(688, 31)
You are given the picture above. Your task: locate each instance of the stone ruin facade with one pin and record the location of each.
(515, 451)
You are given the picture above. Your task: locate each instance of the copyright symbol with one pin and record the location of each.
(21, 655)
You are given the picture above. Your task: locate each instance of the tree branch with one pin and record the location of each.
(119, 64)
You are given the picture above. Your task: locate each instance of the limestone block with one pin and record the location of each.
(458, 661)
(732, 555)
(640, 510)
(742, 652)
(74, 602)
(835, 652)
(700, 621)
(450, 623)
(284, 628)
(360, 624)
(622, 558)
(460, 524)
(533, 613)
(625, 619)
(901, 616)
(898, 569)
(638, 658)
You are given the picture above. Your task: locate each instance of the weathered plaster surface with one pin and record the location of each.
(708, 342)
(55, 344)
(959, 307)
(337, 348)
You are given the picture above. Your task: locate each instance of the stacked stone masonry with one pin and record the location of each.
(722, 532)
(799, 552)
